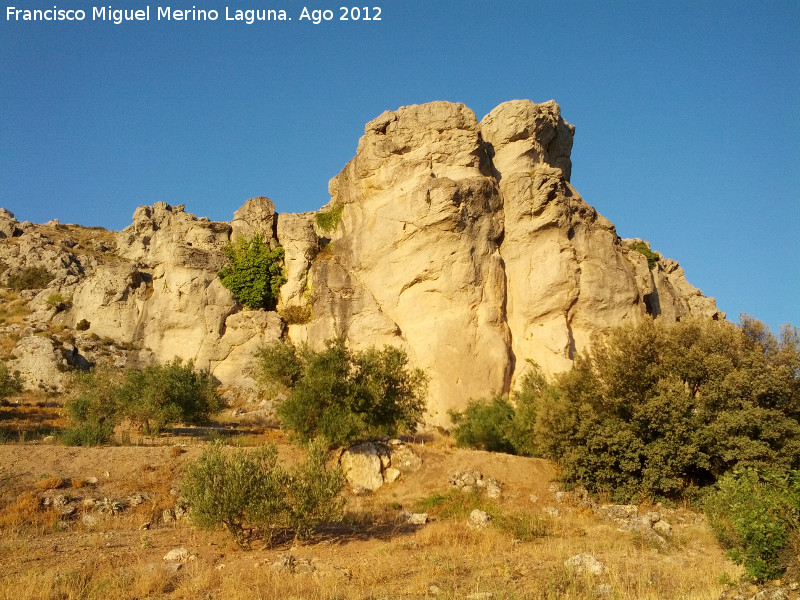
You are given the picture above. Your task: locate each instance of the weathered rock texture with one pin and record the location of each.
(464, 243)
(460, 241)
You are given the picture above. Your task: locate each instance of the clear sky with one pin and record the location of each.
(687, 114)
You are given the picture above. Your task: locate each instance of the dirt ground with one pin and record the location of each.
(120, 553)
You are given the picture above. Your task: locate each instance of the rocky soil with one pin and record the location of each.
(116, 521)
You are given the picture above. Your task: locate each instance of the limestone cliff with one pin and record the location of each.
(465, 243)
(461, 241)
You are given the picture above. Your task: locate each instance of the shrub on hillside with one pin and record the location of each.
(485, 425)
(658, 410)
(242, 489)
(92, 433)
(255, 272)
(644, 249)
(159, 395)
(503, 425)
(29, 278)
(150, 398)
(345, 395)
(328, 220)
(756, 515)
(93, 409)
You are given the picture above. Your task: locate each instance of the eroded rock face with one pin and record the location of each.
(8, 224)
(464, 243)
(460, 241)
(39, 363)
(414, 261)
(567, 273)
(165, 294)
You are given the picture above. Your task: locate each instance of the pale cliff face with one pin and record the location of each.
(462, 242)
(465, 243)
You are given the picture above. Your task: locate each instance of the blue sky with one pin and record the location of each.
(687, 115)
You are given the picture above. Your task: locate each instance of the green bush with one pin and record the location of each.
(83, 325)
(644, 249)
(234, 490)
(344, 395)
(159, 395)
(280, 364)
(485, 425)
(755, 516)
(93, 410)
(255, 272)
(56, 301)
(312, 493)
(241, 489)
(328, 220)
(503, 425)
(88, 434)
(659, 410)
(29, 278)
(151, 398)
(10, 384)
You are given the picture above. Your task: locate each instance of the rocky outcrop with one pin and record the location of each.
(462, 242)
(367, 466)
(165, 294)
(415, 259)
(8, 224)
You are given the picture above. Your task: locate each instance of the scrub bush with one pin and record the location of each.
(152, 399)
(659, 411)
(160, 395)
(503, 425)
(644, 249)
(328, 220)
(245, 489)
(29, 278)
(254, 273)
(93, 410)
(344, 395)
(755, 515)
(9, 383)
(485, 425)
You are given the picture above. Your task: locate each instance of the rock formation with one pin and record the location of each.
(464, 243)
(460, 241)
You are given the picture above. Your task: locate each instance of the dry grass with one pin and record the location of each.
(81, 241)
(33, 415)
(49, 483)
(26, 514)
(377, 558)
(372, 555)
(13, 308)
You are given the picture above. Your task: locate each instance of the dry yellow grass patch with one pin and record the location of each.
(49, 483)
(32, 415)
(26, 513)
(372, 555)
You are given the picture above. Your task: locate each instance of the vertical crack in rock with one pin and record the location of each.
(461, 241)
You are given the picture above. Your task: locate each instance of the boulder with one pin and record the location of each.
(585, 563)
(361, 465)
(479, 519)
(369, 465)
(255, 217)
